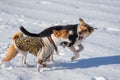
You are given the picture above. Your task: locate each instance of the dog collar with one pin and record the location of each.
(51, 40)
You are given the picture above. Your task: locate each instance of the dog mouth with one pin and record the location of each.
(80, 37)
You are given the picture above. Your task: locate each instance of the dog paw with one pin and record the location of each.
(73, 58)
(44, 65)
(51, 62)
(25, 65)
(63, 44)
(69, 44)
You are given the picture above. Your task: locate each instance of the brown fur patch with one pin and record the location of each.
(61, 33)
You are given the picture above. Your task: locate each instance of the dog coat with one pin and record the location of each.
(40, 47)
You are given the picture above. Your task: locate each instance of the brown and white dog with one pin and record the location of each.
(78, 33)
(42, 48)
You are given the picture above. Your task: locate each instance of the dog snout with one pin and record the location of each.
(80, 33)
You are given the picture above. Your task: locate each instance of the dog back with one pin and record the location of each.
(31, 44)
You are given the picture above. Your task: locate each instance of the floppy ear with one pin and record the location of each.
(81, 21)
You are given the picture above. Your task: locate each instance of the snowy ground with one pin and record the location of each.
(100, 59)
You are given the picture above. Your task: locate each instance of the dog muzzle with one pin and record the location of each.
(80, 37)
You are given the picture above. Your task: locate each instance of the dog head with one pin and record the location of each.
(61, 33)
(84, 30)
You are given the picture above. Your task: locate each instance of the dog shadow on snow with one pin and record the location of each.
(83, 63)
(90, 62)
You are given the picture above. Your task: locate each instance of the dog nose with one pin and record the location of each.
(80, 32)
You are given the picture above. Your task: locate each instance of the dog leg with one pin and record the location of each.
(80, 48)
(38, 67)
(51, 58)
(24, 59)
(76, 52)
(40, 62)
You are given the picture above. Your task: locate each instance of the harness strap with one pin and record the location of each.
(51, 40)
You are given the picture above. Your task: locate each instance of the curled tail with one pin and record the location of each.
(12, 50)
(17, 35)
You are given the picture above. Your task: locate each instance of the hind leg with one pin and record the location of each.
(24, 57)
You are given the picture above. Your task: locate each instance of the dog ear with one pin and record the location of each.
(81, 21)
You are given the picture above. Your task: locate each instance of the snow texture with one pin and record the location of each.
(100, 59)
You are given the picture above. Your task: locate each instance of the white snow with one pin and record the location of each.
(100, 60)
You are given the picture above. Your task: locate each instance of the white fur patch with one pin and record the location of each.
(70, 32)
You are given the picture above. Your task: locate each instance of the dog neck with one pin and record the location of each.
(57, 41)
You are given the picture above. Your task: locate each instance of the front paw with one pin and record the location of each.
(25, 65)
(44, 65)
(69, 44)
(64, 44)
(74, 58)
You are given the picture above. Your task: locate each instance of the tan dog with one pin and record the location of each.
(42, 48)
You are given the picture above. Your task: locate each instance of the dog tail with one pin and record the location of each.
(12, 50)
(28, 33)
(11, 53)
(45, 33)
(16, 36)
